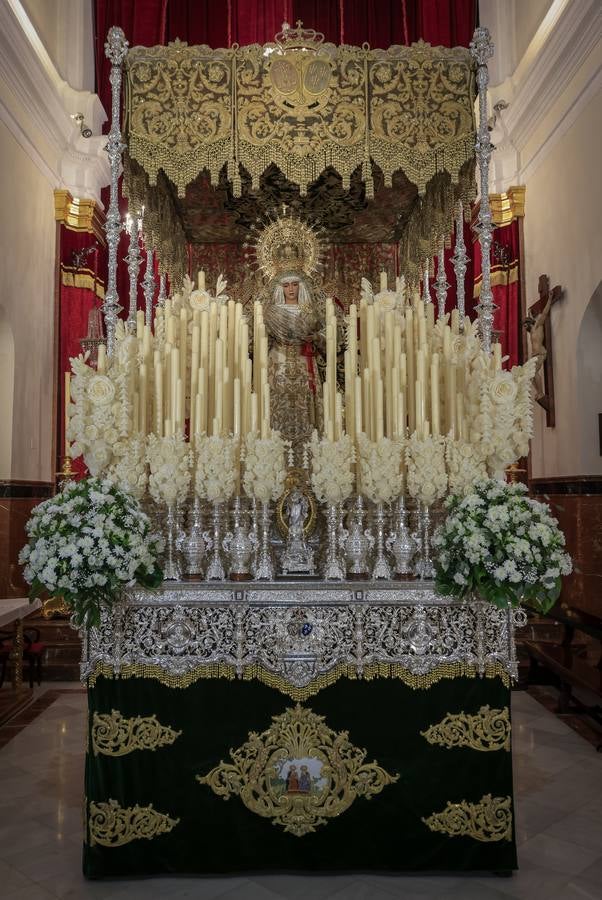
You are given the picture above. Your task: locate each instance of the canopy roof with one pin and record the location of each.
(370, 145)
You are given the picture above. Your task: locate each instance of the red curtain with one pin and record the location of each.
(505, 288)
(77, 298)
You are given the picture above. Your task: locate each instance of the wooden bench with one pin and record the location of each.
(568, 663)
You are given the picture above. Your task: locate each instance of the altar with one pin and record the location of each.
(299, 727)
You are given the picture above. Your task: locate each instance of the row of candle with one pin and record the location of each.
(403, 377)
(200, 371)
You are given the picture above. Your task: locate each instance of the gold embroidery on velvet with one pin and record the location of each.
(114, 735)
(488, 820)
(299, 772)
(489, 729)
(256, 672)
(112, 825)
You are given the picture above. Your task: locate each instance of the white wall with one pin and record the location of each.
(548, 138)
(7, 384)
(563, 238)
(27, 238)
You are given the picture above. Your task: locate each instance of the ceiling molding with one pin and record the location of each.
(38, 105)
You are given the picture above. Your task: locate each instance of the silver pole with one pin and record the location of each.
(162, 291)
(460, 264)
(133, 263)
(148, 286)
(481, 48)
(441, 283)
(115, 49)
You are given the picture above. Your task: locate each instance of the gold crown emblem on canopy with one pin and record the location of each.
(287, 244)
(299, 37)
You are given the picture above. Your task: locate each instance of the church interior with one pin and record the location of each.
(301, 449)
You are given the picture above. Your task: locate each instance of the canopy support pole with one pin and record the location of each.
(115, 49)
(481, 48)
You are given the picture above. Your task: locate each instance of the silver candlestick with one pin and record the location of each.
(215, 569)
(401, 543)
(193, 543)
(172, 569)
(357, 542)
(381, 568)
(424, 567)
(264, 567)
(333, 566)
(239, 544)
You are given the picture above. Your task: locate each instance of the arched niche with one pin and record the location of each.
(589, 385)
(7, 389)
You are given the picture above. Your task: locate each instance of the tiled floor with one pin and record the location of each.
(559, 825)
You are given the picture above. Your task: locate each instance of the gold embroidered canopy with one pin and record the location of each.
(306, 108)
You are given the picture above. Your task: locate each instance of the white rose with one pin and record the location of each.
(101, 390)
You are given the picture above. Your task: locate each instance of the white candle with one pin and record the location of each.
(383, 281)
(101, 359)
(201, 280)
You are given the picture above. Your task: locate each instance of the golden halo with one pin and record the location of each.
(287, 244)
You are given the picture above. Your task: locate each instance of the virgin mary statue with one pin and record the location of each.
(296, 342)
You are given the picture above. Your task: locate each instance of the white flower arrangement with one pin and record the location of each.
(380, 468)
(129, 469)
(465, 465)
(265, 470)
(216, 467)
(502, 545)
(170, 461)
(86, 544)
(331, 474)
(504, 423)
(426, 473)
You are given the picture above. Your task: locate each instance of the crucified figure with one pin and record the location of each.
(536, 328)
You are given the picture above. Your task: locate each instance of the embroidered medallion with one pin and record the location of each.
(299, 772)
(489, 729)
(114, 735)
(488, 820)
(112, 825)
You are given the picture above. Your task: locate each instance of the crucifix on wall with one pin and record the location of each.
(539, 328)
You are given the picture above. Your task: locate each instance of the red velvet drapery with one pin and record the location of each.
(380, 22)
(78, 295)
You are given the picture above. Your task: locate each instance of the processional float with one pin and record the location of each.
(298, 522)
(412, 402)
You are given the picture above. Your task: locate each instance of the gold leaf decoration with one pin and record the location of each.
(304, 109)
(489, 820)
(114, 735)
(112, 825)
(489, 729)
(299, 772)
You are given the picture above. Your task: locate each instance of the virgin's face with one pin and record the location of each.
(291, 292)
